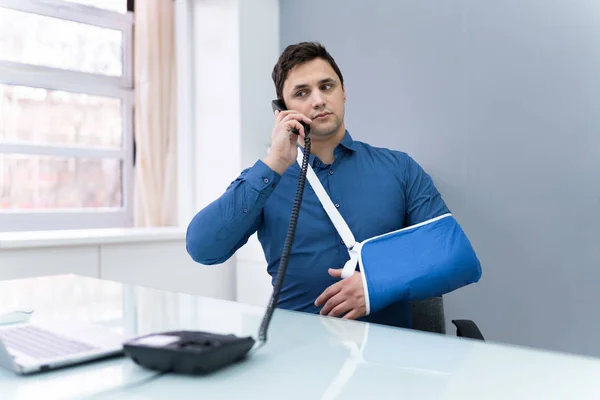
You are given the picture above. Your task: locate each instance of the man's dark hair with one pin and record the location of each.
(296, 54)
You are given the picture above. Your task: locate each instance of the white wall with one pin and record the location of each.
(259, 50)
(235, 45)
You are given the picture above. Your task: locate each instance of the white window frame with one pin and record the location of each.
(120, 87)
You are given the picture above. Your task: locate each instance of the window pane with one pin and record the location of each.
(112, 5)
(52, 42)
(43, 116)
(43, 182)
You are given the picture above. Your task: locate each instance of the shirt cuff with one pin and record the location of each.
(262, 178)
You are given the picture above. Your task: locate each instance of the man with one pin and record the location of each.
(376, 190)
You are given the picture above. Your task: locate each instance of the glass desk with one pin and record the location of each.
(306, 356)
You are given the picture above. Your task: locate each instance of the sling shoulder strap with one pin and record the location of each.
(336, 218)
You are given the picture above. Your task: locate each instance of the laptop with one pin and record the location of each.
(27, 347)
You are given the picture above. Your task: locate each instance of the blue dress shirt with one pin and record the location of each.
(376, 190)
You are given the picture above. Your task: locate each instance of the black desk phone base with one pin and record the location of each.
(187, 352)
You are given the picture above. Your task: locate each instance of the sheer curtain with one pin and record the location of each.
(155, 176)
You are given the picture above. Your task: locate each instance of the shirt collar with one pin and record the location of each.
(347, 142)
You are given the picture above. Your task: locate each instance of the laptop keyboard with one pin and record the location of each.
(39, 343)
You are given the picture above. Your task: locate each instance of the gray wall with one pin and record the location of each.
(500, 102)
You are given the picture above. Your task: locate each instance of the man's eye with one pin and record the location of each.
(300, 94)
(326, 87)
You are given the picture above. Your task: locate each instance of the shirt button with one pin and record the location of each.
(330, 172)
(245, 210)
(337, 205)
(266, 180)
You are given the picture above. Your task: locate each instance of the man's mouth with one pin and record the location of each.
(322, 115)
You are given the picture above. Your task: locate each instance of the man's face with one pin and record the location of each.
(314, 89)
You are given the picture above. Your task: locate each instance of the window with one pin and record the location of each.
(66, 114)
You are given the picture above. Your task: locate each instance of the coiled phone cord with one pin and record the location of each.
(287, 246)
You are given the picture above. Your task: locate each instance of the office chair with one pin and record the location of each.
(428, 315)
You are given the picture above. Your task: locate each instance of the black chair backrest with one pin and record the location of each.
(428, 315)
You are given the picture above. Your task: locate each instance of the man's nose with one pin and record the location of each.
(317, 99)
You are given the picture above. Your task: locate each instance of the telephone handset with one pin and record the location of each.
(279, 105)
(200, 352)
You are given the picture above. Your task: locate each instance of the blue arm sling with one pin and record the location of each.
(428, 259)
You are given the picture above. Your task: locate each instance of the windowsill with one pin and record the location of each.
(69, 238)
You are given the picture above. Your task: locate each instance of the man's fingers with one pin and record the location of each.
(336, 273)
(306, 119)
(340, 309)
(353, 314)
(280, 115)
(292, 115)
(333, 303)
(298, 126)
(329, 292)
